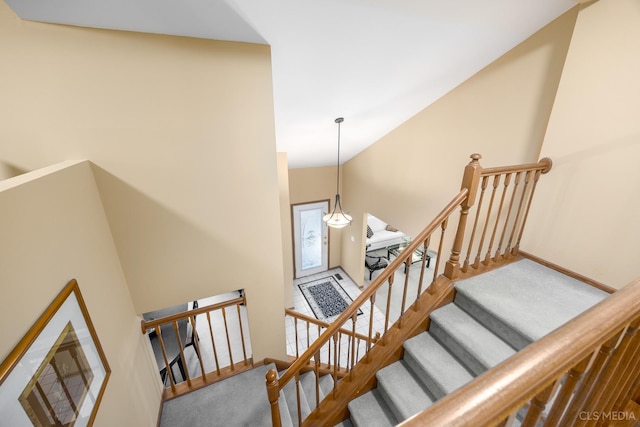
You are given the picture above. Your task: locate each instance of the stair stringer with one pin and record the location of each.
(362, 378)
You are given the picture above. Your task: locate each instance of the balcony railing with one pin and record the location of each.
(220, 351)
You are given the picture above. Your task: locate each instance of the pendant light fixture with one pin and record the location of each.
(337, 218)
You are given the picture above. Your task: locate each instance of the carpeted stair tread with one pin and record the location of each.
(308, 382)
(404, 393)
(285, 415)
(477, 347)
(290, 396)
(326, 385)
(371, 410)
(434, 365)
(345, 423)
(526, 297)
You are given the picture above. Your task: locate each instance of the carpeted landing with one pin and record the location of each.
(238, 401)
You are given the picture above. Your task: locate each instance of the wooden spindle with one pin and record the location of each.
(593, 402)
(386, 313)
(196, 344)
(505, 186)
(348, 361)
(425, 256)
(516, 247)
(158, 330)
(329, 352)
(183, 360)
(295, 328)
(629, 351)
(319, 330)
(632, 395)
(316, 369)
(405, 288)
(508, 216)
(226, 330)
(495, 185)
(244, 349)
(298, 403)
(561, 401)
(335, 365)
(371, 311)
(512, 236)
(213, 344)
(483, 187)
(339, 351)
(308, 333)
(538, 404)
(589, 382)
(443, 229)
(354, 319)
(611, 375)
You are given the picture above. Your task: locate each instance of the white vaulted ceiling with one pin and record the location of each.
(374, 62)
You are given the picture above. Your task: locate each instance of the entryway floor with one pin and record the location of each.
(302, 306)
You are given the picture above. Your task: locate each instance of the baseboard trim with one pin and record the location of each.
(569, 273)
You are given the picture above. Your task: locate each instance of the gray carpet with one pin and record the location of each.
(238, 401)
(492, 316)
(526, 298)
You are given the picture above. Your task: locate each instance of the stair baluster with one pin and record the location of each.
(428, 297)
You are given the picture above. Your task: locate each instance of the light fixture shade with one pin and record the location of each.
(337, 218)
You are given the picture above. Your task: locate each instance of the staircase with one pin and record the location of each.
(444, 339)
(492, 317)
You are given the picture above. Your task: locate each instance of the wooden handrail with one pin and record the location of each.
(504, 229)
(493, 396)
(205, 378)
(150, 324)
(371, 289)
(322, 324)
(543, 165)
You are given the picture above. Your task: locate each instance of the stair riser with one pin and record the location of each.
(371, 410)
(422, 373)
(467, 358)
(387, 395)
(292, 402)
(491, 322)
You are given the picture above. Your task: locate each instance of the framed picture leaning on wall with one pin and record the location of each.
(57, 373)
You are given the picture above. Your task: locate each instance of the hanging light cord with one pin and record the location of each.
(338, 121)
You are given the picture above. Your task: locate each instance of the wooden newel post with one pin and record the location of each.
(273, 392)
(470, 181)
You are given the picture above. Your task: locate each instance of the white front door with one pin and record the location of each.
(310, 238)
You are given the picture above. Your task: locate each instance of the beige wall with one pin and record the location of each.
(8, 171)
(594, 140)
(316, 184)
(408, 176)
(181, 135)
(53, 230)
(285, 219)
